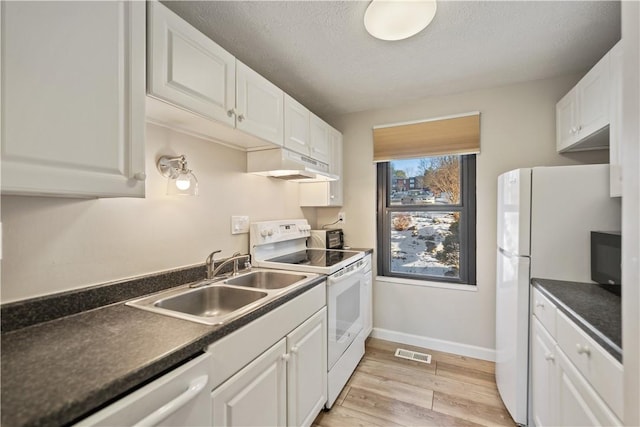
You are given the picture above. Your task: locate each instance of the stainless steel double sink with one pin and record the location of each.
(218, 301)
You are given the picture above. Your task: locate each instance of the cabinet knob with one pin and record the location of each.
(140, 176)
(333, 197)
(579, 128)
(294, 350)
(539, 304)
(240, 117)
(286, 357)
(231, 112)
(550, 357)
(583, 349)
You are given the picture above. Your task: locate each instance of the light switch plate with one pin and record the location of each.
(239, 224)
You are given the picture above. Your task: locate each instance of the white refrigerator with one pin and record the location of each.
(545, 216)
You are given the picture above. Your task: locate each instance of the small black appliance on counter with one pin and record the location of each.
(606, 263)
(326, 239)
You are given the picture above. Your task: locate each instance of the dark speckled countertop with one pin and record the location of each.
(595, 310)
(61, 370)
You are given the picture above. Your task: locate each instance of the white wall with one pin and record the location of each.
(55, 244)
(517, 130)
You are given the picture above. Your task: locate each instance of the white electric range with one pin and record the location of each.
(282, 244)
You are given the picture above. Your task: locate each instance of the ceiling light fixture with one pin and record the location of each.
(181, 180)
(398, 19)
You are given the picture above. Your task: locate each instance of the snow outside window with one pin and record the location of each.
(428, 231)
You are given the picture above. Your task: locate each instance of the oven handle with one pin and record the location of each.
(335, 278)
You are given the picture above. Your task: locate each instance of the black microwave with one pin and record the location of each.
(606, 266)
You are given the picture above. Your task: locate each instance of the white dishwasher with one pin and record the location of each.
(180, 398)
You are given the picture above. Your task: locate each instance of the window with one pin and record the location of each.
(428, 232)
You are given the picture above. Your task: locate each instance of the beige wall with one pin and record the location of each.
(517, 130)
(55, 244)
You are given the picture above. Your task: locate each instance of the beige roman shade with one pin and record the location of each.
(437, 137)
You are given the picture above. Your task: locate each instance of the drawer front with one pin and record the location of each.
(544, 310)
(599, 368)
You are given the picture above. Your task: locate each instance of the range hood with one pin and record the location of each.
(288, 165)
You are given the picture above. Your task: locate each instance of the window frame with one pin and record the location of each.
(467, 227)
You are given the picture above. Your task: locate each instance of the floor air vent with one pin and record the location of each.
(413, 355)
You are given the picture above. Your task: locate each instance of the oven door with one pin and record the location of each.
(344, 309)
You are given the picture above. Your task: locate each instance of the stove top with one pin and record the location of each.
(315, 257)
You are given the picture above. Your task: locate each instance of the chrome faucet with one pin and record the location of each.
(212, 273)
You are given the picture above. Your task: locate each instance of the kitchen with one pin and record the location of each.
(56, 244)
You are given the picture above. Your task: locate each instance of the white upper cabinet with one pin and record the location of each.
(296, 126)
(319, 139)
(188, 69)
(214, 93)
(259, 105)
(73, 98)
(582, 115)
(329, 193)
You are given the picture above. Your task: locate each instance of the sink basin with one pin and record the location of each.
(265, 280)
(212, 301)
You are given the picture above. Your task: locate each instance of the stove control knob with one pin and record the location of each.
(264, 233)
(270, 232)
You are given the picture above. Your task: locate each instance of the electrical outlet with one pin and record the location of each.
(239, 224)
(342, 217)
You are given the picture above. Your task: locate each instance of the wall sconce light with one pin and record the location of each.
(181, 180)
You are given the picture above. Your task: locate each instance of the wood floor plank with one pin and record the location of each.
(466, 374)
(470, 410)
(418, 396)
(455, 359)
(485, 395)
(388, 391)
(341, 416)
(396, 411)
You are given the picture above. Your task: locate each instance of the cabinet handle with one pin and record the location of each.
(231, 112)
(294, 350)
(539, 304)
(550, 357)
(333, 197)
(160, 414)
(579, 128)
(583, 349)
(240, 117)
(140, 176)
(286, 357)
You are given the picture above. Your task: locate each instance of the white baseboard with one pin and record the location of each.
(436, 344)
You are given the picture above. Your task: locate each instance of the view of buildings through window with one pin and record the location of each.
(423, 217)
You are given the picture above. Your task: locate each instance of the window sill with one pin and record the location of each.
(428, 284)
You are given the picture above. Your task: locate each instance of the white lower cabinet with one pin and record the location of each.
(307, 370)
(568, 370)
(285, 385)
(544, 368)
(255, 396)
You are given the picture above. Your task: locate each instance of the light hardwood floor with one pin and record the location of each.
(388, 391)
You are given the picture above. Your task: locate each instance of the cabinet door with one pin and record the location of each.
(566, 128)
(367, 299)
(73, 98)
(296, 126)
(336, 187)
(326, 193)
(319, 139)
(257, 395)
(307, 370)
(615, 121)
(188, 69)
(593, 99)
(259, 105)
(578, 404)
(543, 376)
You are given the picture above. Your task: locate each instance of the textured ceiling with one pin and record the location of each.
(320, 53)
